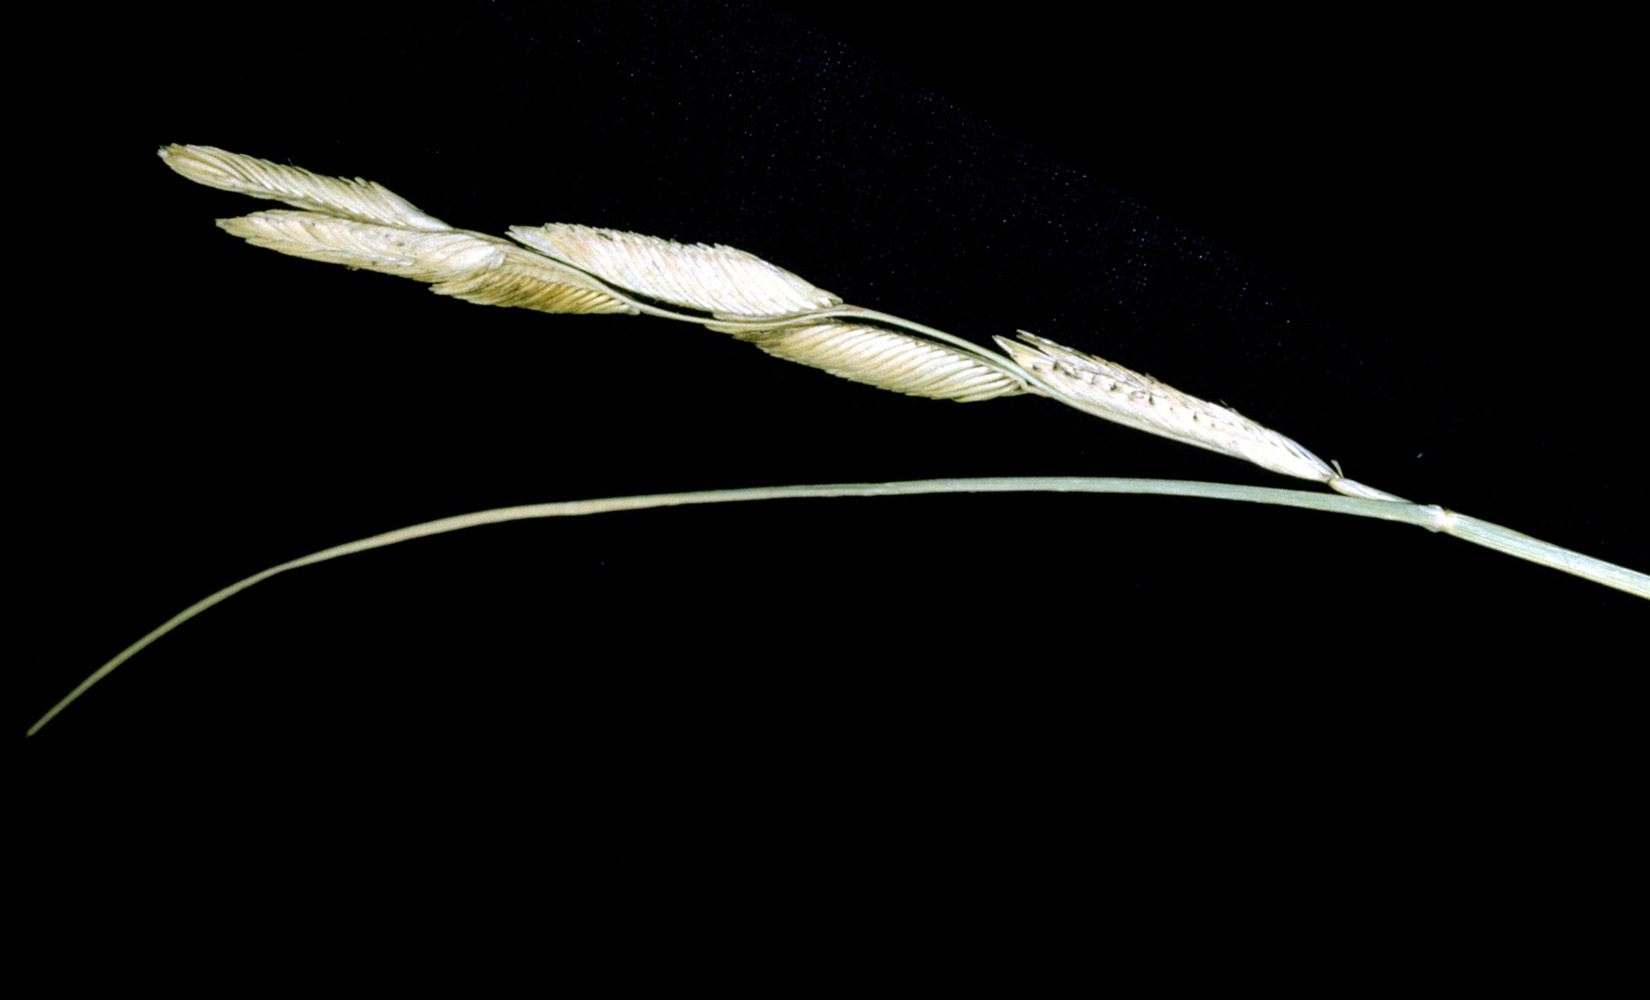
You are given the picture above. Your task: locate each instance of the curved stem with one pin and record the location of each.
(1432, 518)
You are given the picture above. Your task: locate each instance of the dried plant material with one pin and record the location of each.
(358, 199)
(715, 279)
(362, 225)
(527, 284)
(888, 359)
(469, 266)
(1109, 390)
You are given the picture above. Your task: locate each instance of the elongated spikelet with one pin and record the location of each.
(419, 254)
(526, 285)
(1109, 390)
(716, 279)
(887, 359)
(358, 199)
(469, 266)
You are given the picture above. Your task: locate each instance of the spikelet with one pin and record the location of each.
(887, 359)
(358, 199)
(469, 266)
(716, 279)
(1119, 394)
(581, 269)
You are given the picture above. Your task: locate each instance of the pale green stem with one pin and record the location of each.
(1432, 518)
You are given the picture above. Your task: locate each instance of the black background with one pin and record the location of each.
(1407, 245)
